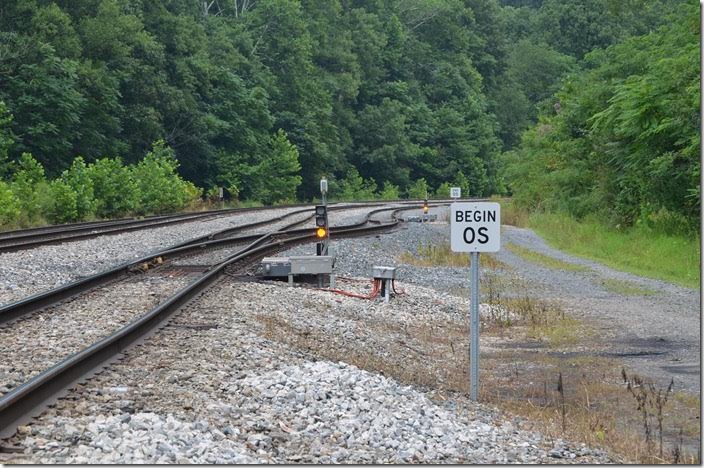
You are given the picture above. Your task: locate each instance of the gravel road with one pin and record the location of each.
(657, 334)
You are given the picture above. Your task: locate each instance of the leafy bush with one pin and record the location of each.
(277, 176)
(418, 189)
(389, 192)
(26, 181)
(63, 205)
(353, 187)
(443, 191)
(79, 179)
(9, 205)
(116, 193)
(160, 188)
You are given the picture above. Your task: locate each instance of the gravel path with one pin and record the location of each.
(657, 334)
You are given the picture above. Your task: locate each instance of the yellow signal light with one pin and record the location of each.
(320, 232)
(425, 209)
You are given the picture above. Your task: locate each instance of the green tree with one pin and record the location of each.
(278, 176)
(116, 191)
(418, 189)
(79, 180)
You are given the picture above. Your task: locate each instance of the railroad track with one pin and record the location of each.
(12, 241)
(27, 399)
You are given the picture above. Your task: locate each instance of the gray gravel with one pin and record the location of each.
(657, 335)
(234, 378)
(30, 271)
(211, 389)
(33, 344)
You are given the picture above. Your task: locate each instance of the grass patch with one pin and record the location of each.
(512, 215)
(432, 255)
(625, 288)
(639, 250)
(543, 260)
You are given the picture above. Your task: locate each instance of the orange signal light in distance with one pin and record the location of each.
(320, 232)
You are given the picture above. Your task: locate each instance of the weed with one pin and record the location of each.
(625, 288)
(649, 399)
(544, 260)
(430, 255)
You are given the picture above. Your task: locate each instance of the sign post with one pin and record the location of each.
(475, 227)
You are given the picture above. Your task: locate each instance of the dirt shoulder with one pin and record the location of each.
(651, 326)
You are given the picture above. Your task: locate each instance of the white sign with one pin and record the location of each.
(455, 192)
(323, 185)
(475, 227)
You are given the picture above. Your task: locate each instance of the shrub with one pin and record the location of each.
(63, 206)
(79, 179)
(9, 205)
(443, 191)
(277, 177)
(27, 177)
(389, 192)
(115, 191)
(418, 189)
(353, 187)
(161, 189)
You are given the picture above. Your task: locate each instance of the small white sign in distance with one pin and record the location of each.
(455, 192)
(475, 227)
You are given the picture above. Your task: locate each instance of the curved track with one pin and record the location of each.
(24, 401)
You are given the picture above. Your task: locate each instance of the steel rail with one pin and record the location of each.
(12, 241)
(22, 403)
(41, 300)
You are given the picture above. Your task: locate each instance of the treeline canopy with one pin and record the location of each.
(264, 97)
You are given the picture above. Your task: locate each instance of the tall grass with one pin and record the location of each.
(639, 250)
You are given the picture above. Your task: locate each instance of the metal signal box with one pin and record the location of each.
(382, 272)
(275, 266)
(311, 265)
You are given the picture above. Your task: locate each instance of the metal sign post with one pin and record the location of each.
(474, 228)
(474, 328)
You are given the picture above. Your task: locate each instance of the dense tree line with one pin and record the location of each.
(622, 140)
(264, 97)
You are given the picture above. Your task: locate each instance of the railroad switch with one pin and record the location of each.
(384, 274)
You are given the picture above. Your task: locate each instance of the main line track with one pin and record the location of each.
(23, 402)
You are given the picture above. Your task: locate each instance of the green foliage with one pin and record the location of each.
(63, 207)
(624, 143)
(5, 138)
(115, 190)
(418, 189)
(389, 192)
(353, 187)
(160, 188)
(443, 190)
(398, 90)
(78, 178)
(9, 205)
(277, 176)
(28, 183)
